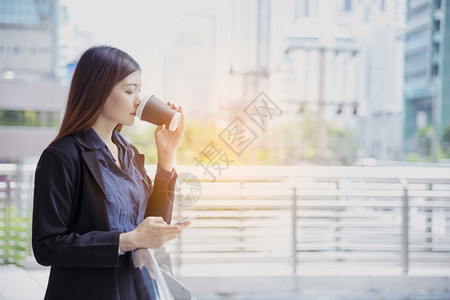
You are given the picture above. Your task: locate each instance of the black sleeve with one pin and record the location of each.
(160, 202)
(53, 243)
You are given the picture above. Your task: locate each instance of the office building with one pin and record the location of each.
(31, 97)
(427, 73)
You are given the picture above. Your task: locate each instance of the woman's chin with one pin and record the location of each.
(129, 122)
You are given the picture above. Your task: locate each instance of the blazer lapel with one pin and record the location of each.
(90, 157)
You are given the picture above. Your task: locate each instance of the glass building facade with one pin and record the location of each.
(427, 67)
(26, 12)
(31, 95)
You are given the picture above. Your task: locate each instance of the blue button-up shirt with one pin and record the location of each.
(126, 189)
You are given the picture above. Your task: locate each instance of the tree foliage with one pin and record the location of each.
(283, 143)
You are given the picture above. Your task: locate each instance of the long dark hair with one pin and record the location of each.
(99, 69)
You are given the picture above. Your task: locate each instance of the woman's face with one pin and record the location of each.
(122, 102)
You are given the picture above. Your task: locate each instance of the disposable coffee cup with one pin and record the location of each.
(157, 112)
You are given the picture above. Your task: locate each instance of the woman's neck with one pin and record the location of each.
(104, 130)
(105, 133)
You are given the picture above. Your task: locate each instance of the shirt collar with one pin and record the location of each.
(91, 139)
(118, 139)
(96, 141)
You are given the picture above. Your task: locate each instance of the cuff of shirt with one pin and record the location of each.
(164, 174)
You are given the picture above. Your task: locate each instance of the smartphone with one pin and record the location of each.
(186, 219)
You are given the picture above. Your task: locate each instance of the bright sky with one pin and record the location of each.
(118, 22)
(143, 28)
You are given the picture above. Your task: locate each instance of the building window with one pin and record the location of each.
(435, 70)
(436, 48)
(415, 56)
(421, 119)
(348, 5)
(437, 3)
(415, 76)
(419, 11)
(34, 12)
(29, 118)
(417, 34)
(436, 25)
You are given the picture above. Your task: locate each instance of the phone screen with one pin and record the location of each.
(186, 219)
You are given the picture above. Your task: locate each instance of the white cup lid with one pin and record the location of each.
(176, 119)
(140, 108)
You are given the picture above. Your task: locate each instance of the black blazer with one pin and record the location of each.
(71, 231)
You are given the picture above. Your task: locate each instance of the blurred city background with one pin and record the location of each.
(357, 81)
(319, 130)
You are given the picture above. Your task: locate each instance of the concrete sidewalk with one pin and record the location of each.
(22, 284)
(29, 284)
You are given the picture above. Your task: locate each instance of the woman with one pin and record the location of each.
(93, 200)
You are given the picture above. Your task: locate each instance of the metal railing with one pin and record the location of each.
(298, 216)
(16, 195)
(289, 216)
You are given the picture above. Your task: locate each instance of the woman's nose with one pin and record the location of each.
(138, 100)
